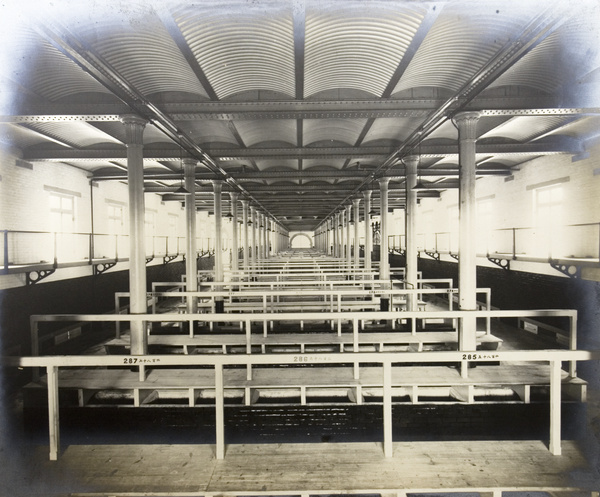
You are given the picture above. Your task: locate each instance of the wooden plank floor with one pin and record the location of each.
(314, 467)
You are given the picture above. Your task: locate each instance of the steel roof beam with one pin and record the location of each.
(236, 154)
(326, 109)
(305, 175)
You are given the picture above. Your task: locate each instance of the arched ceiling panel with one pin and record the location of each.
(391, 129)
(500, 160)
(525, 128)
(533, 70)
(205, 132)
(116, 129)
(322, 164)
(53, 76)
(146, 55)
(340, 130)
(254, 132)
(588, 126)
(272, 164)
(464, 37)
(357, 45)
(78, 134)
(19, 137)
(251, 50)
(159, 167)
(446, 131)
(559, 60)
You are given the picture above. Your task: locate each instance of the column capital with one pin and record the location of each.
(383, 182)
(217, 185)
(367, 194)
(233, 196)
(189, 162)
(411, 160)
(244, 202)
(467, 124)
(134, 129)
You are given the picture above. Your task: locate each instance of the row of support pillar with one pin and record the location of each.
(331, 239)
(335, 236)
(266, 237)
(261, 236)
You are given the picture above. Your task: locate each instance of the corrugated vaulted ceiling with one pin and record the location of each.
(286, 97)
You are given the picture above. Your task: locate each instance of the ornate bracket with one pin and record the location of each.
(149, 259)
(454, 256)
(433, 255)
(169, 258)
(571, 270)
(503, 263)
(102, 268)
(32, 277)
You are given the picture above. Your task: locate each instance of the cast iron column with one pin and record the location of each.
(348, 237)
(335, 247)
(191, 258)
(410, 216)
(384, 263)
(245, 231)
(235, 256)
(356, 203)
(467, 242)
(368, 239)
(217, 187)
(254, 222)
(134, 129)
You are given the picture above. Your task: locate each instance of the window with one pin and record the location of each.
(149, 222)
(62, 222)
(548, 205)
(114, 214)
(547, 216)
(62, 212)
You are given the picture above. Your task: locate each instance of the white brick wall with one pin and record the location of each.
(513, 202)
(24, 206)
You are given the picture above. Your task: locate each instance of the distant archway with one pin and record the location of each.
(302, 240)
